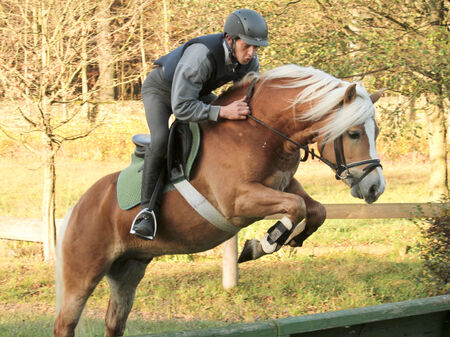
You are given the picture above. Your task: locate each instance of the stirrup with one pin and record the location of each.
(149, 213)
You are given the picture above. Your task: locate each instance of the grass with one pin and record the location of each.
(172, 296)
(42, 326)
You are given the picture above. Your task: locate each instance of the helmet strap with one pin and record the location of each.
(232, 53)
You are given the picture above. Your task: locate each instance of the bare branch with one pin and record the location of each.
(362, 75)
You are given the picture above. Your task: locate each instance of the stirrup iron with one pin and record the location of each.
(149, 213)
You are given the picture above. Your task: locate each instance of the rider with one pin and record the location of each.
(183, 83)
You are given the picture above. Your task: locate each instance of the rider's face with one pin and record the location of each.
(243, 51)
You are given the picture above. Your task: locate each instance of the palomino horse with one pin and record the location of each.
(302, 105)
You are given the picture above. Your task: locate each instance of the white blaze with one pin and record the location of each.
(369, 126)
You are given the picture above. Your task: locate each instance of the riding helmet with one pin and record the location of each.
(248, 25)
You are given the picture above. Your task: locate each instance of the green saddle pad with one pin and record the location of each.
(130, 179)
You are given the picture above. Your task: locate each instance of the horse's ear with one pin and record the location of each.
(350, 94)
(376, 95)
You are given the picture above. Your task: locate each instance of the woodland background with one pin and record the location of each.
(68, 68)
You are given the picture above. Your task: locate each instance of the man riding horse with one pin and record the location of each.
(183, 83)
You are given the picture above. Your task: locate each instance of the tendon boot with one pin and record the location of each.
(144, 225)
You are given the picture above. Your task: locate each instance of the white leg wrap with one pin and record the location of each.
(266, 246)
(270, 248)
(297, 230)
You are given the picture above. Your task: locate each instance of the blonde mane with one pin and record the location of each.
(326, 92)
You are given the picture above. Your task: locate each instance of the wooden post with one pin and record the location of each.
(230, 275)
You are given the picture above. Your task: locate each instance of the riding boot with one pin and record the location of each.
(145, 223)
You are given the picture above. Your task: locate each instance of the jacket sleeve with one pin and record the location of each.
(192, 71)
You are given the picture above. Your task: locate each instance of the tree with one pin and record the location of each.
(399, 44)
(46, 48)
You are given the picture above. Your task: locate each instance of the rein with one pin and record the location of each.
(341, 165)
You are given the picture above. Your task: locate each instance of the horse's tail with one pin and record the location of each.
(59, 282)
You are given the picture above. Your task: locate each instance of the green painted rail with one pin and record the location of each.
(427, 317)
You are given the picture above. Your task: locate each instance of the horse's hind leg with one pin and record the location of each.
(123, 278)
(77, 289)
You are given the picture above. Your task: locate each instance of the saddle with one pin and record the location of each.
(182, 150)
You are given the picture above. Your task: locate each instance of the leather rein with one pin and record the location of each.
(341, 167)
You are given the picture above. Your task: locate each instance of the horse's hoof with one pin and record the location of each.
(252, 250)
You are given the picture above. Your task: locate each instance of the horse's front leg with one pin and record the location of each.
(255, 200)
(315, 215)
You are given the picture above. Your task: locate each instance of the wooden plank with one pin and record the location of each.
(429, 325)
(29, 229)
(379, 211)
(21, 229)
(421, 317)
(382, 211)
(365, 315)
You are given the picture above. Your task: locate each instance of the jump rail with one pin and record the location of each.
(428, 317)
(30, 229)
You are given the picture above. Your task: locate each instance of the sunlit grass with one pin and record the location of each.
(174, 295)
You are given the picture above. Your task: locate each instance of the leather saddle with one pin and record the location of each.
(178, 149)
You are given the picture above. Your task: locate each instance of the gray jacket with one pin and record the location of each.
(193, 70)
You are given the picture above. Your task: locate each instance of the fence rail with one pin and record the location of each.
(30, 229)
(417, 318)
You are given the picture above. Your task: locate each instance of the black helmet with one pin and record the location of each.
(248, 25)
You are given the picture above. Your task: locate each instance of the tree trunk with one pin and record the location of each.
(48, 205)
(166, 26)
(438, 153)
(142, 45)
(84, 77)
(105, 54)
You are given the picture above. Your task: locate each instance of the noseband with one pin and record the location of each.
(341, 167)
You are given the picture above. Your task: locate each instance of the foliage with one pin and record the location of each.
(434, 249)
(400, 135)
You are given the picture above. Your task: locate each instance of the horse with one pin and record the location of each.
(291, 107)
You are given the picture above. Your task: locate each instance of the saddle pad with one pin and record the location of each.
(130, 179)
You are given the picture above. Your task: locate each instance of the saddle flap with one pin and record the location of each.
(178, 150)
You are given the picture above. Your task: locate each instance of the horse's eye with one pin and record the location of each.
(355, 135)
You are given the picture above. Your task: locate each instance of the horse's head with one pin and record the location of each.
(352, 154)
(338, 115)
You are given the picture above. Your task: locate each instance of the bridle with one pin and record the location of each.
(341, 167)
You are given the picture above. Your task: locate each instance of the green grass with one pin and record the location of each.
(42, 326)
(175, 295)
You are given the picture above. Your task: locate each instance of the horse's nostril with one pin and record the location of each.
(373, 189)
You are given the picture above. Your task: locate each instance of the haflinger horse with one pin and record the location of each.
(245, 170)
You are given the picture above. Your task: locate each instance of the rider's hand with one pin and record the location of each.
(236, 110)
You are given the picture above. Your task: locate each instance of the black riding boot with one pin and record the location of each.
(144, 225)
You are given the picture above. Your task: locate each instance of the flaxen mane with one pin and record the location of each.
(327, 92)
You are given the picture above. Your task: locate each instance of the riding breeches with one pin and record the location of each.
(156, 97)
